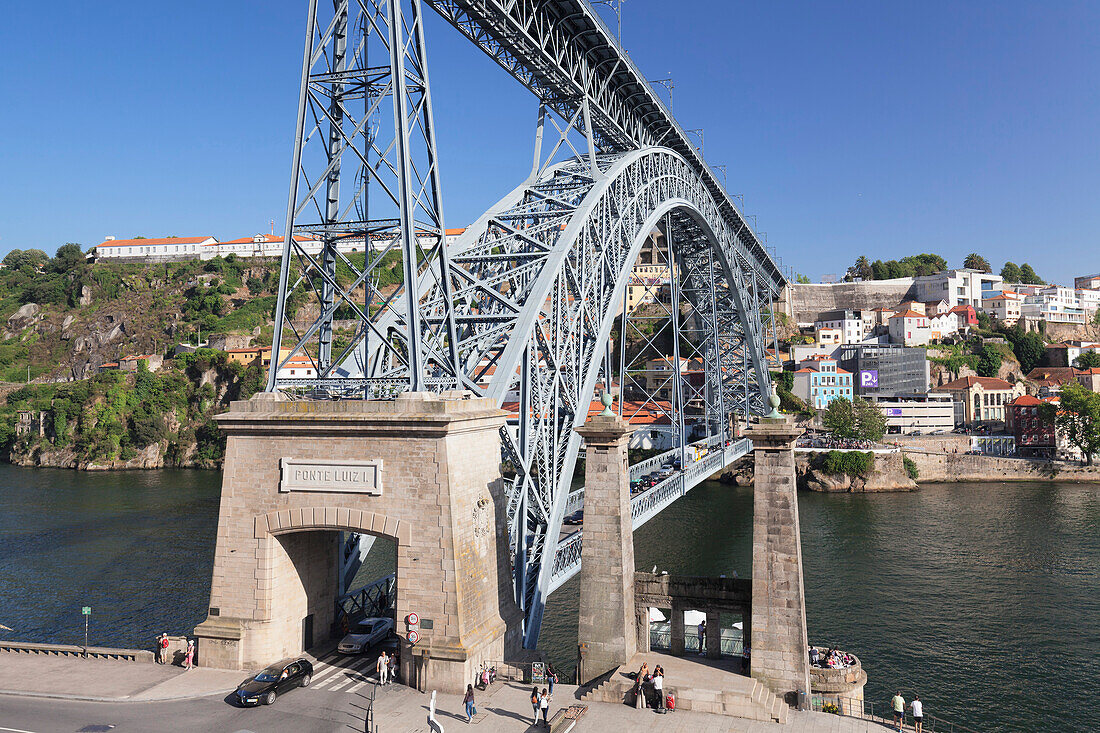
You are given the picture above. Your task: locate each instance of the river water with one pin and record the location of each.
(984, 599)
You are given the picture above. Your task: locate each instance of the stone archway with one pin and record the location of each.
(423, 470)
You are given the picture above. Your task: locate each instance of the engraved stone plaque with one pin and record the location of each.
(349, 477)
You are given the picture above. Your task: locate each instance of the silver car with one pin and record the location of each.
(365, 634)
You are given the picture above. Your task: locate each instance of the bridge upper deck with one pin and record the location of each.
(562, 51)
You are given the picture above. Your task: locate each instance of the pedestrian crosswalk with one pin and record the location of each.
(342, 673)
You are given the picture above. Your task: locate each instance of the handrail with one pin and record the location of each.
(851, 707)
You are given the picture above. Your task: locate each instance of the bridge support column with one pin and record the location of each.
(779, 641)
(607, 618)
(422, 470)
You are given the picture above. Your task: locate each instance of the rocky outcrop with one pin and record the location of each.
(887, 474)
(26, 316)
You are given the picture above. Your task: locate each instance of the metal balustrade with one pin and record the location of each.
(648, 504)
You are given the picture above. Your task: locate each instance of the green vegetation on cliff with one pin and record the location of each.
(111, 417)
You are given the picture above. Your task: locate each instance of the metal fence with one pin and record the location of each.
(660, 637)
(880, 713)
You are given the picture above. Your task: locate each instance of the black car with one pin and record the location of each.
(263, 687)
(576, 517)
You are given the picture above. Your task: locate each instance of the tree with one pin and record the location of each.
(975, 261)
(855, 420)
(861, 269)
(802, 279)
(1030, 350)
(1010, 273)
(870, 420)
(839, 419)
(1028, 276)
(69, 257)
(989, 361)
(14, 259)
(924, 264)
(1087, 360)
(1078, 419)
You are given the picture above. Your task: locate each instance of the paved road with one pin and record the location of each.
(336, 701)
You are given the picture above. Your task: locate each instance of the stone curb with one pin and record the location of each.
(88, 698)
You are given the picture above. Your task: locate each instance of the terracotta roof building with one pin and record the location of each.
(984, 398)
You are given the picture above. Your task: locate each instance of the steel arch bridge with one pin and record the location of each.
(532, 304)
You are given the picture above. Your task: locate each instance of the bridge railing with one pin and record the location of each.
(647, 504)
(575, 501)
(883, 713)
(376, 599)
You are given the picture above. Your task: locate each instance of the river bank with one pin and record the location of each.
(964, 593)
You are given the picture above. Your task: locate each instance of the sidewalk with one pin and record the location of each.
(505, 708)
(74, 678)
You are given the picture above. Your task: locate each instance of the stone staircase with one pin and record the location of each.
(732, 695)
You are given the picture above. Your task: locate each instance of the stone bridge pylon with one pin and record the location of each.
(422, 470)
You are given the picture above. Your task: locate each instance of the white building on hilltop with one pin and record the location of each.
(168, 248)
(958, 287)
(1053, 304)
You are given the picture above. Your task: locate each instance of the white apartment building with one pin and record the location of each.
(1054, 304)
(1089, 300)
(920, 413)
(958, 287)
(909, 328)
(854, 326)
(1004, 306)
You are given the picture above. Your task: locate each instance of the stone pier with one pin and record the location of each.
(607, 630)
(778, 634)
(422, 470)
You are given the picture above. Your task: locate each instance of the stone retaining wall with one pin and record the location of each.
(942, 467)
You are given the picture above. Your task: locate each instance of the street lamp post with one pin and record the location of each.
(669, 85)
(617, 6)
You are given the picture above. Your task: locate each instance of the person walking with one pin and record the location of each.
(544, 706)
(918, 714)
(382, 667)
(535, 704)
(551, 679)
(187, 661)
(899, 709)
(391, 668)
(471, 711)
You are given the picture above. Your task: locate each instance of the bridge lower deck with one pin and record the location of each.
(646, 504)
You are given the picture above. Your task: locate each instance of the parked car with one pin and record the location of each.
(576, 517)
(665, 473)
(365, 634)
(265, 686)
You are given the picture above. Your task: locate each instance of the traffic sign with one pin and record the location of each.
(413, 636)
(86, 610)
(412, 619)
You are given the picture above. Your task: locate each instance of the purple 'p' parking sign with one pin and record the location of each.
(868, 379)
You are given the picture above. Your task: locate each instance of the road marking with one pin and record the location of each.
(16, 730)
(333, 673)
(358, 677)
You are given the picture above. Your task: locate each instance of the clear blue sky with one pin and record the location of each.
(875, 128)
